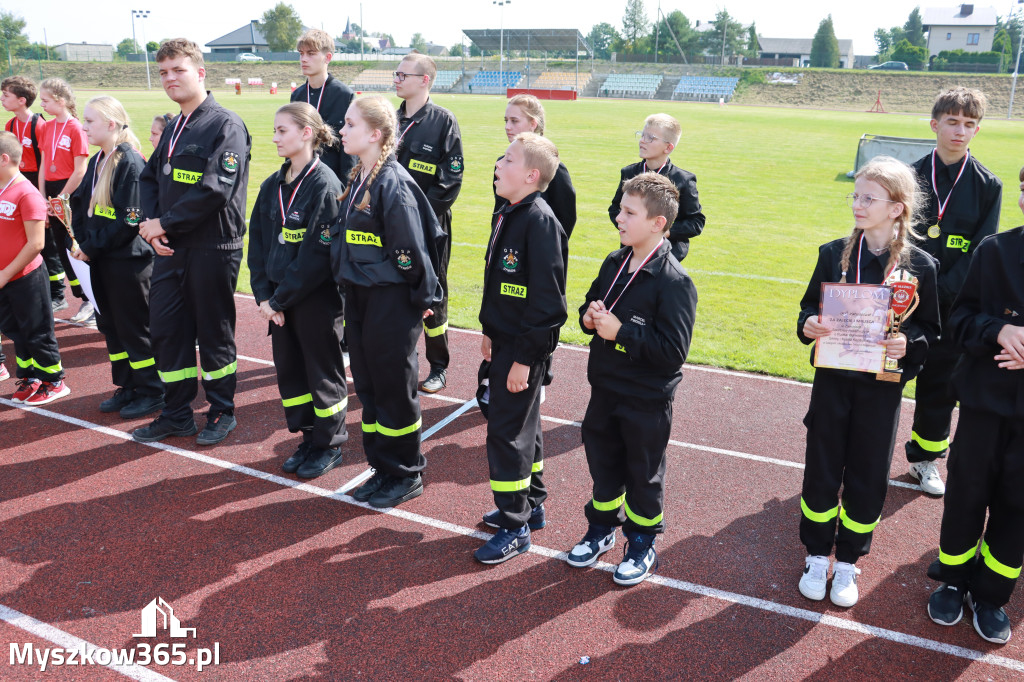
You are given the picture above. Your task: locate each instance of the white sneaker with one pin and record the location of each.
(927, 475)
(86, 311)
(815, 578)
(844, 585)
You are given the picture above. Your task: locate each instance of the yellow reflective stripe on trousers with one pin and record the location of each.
(24, 364)
(395, 433)
(436, 331)
(332, 410)
(220, 373)
(538, 467)
(298, 400)
(148, 362)
(74, 283)
(640, 520)
(610, 506)
(178, 375)
(818, 517)
(510, 486)
(118, 356)
(369, 428)
(853, 525)
(997, 567)
(58, 277)
(52, 369)
(957, 559)
(929, 445)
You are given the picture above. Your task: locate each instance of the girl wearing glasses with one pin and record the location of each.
(852, 418)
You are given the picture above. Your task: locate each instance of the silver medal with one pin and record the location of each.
(167, 168)
(280, 238)
(53, 168)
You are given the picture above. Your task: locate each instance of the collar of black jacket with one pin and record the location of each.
(418, 115)
(198, 111)
(528, 199)
(653, 264)
(283, 173)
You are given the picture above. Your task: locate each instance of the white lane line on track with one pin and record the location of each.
(68, 641)
(671, 583)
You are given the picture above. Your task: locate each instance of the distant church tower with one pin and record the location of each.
(348, 34)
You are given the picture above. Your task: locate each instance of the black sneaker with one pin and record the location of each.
(58, 304)
(505, 545)
(434, 382)
(597, 541)
(161, 428)
(218, 426)
(319, 462)
(991, 622)
(536, 521)
(946, 605)
(122, 396)
(367, 490)
(639, 559)
(396, 490)
(142, 405)
(292, 464)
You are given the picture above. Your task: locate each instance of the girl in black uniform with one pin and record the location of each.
(290, 273)
(384, 251)
(852, 419)
(105, 211)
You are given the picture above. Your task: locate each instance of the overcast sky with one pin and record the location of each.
(202, 21)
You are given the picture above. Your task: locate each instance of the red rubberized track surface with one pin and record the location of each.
(299, 581)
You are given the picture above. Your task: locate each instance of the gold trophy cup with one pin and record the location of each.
(61, 206)
(904, 302)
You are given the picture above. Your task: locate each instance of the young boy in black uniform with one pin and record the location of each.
(986, 462)
(523, 308)
(656, 141)
(193, 193)
(641, 309)
(962, 200)
(326, 93)
(430, 148)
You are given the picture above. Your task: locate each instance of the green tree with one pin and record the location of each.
(418, 43)
(727, 32)
(886, 40)
(152, 46)
(634, 23)
(1012, 26)
(914, 56)
(825, 47)
(601, 38)
(753, 46)
(684, 33)
(12, 29)
(455, 50)
(281, 27)
(127, 47)
(33, 51)
(913, 29)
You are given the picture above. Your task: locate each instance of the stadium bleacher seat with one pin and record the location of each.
(701, 88)
(445, 80)
(561, 80)
(631, 85)
(493, 82)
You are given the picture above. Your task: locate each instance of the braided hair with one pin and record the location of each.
(378, 113)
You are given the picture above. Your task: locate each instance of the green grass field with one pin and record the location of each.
(772, 184)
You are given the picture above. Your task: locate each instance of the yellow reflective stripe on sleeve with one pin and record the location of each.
(220, 373)
(538, 467)
(640, 520)
(436, 331)
(105, 212)
(58, 277)
(510, 486)
(24, 364)
(293, 236)
(52, 369)
(118, 356)
(517, 290)
(422, 167)
(187, 177)
(818, 517)
(995, 565)
(74, 283)
(369, 428)
(610, 506)
(957, 559)
(148, 362)
(298, 400)
(332, 410)
(178, 375)
(365, 238)
(395, 433)
(849, 523)
(930, 445)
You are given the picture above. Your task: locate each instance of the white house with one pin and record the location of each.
(799, 50)
(962, 27)
(85, 52)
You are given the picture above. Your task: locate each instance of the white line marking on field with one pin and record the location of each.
(66, 640)
(672, 583)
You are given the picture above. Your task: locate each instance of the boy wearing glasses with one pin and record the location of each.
(657, 140)
(430, 147)
(961, 207)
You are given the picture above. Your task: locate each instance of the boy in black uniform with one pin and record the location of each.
(961, 209)
(430, 148)
(657, 140)
(193, 190)
(523, 308)
(326, 93)
(986, 462)
(641, 309)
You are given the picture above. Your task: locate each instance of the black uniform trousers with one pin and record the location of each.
(435, 327)
(851, 431)
(191, 297)
(310, 368)
(625, 442)
(121, 288)
(26, 318)
(55, 254)
(515, 443)
(383, 327)
(986, 474)
(933, 414)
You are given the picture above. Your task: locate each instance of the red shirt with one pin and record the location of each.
(19, 203)
(60, 144)
(24, 132)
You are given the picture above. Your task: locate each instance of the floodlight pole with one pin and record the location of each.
(1016, 67)
(657, 31)
(142, 14)
(501, 40)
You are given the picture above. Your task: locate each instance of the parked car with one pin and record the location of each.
(890, 66)
(248, 57)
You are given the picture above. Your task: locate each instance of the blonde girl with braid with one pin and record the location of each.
(852, 418)
(106, 212)
(384, 252)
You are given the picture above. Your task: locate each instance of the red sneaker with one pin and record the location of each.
(48, 392)
(26, 389)
(4, 374)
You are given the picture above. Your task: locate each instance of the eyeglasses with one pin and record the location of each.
(853, 200)
(646, 137)
(402, 76)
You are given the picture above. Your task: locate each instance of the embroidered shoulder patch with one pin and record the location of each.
(132, 216)
(510, 261)
(325, 235)
(229, 162)
(403, 259)
(455, 164)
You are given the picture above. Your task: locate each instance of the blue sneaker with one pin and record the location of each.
(504, 545)
(639, 559)
(991, 622)
(536, 521)
(597, 541)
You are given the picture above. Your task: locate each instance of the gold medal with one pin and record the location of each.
(934, 231)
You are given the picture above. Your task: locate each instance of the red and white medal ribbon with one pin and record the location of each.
(353, 195)
(55, 142)
(623, 267)
(494, 239)
(648, 170)
(319, 99)
(935, 186)
(295, 192)
(176, 134)
(860, 247)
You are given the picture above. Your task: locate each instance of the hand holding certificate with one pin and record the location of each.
(857, 316)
